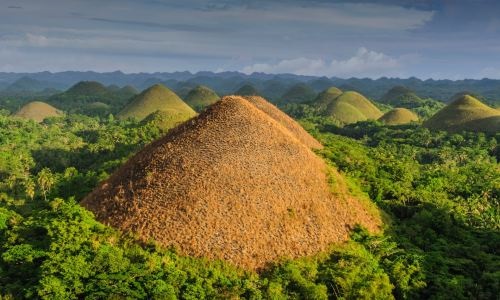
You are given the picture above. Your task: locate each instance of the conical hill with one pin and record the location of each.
(399, 116)
(352, 107)
(247, 90)
(326, 97)
(157, 97)
(465, 114)
(37, 111)
(201, 97)
(298, 93)
(231, 184)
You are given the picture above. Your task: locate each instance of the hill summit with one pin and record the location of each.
(37, 111)
(465, 114)
(231, 184)
(351, 107)
(201, 97)
(326, 97)
(247, 90)
(401, 96)
(157, 97)
(298, 93)
(399, 116)
(87, 88)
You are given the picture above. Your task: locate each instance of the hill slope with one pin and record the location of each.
(326, 97)
(201, 97)
(247, 90)
(37, 111)
(231, 184)
(401, 96)
(298, 93)
(399, 116)
(465, 114)
(157, 97)
(352, 107)
(285, 121)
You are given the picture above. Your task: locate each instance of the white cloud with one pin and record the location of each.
(364, 63)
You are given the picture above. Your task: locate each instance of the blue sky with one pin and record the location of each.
(451, 39)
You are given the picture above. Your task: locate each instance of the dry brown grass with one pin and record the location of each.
(37, 111)
(285, 120)
(233, 184)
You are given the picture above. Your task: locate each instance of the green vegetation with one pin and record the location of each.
(157, 97)
(440, 192)
(201, 97)
(352, 107)
(81, 98)
(37, 111)
(465, 113)
(298, 93)
(247, 90)
(166, 119)
(401, 96)
(398, 116)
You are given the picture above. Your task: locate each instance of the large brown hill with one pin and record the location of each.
(285, 120)
(231, 184)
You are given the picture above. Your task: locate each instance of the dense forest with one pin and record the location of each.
(439, 192)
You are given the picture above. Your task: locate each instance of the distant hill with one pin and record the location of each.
(25, 84)
(247, 90)
(326, 97)
(398, 116)
(79, 97)
(201, 97)
(273, 89)
(157, 97)
(37, 111)
(464, 93)
(352, 107)
(298, 93)
(401, 96)
(228, 82)
(320, 84)
(465, 114)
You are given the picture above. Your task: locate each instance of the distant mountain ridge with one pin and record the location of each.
(225, 83)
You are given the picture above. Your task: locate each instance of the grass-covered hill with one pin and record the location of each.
(401, 96)
(352, 107)
(465, 114)
(298, 93)
(201, 97)
(157, 97)
(247, 90)
(398, 116)
(326, 97)
(37, 111)
(79, 98)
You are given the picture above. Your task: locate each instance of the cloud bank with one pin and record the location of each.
(364, 63)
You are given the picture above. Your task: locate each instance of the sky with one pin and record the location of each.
(442, 39)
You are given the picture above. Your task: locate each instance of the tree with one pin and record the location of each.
(45, 180)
